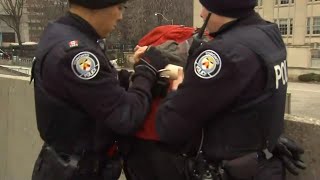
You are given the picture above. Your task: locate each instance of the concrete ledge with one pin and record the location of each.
(8, 71)
(305, 131)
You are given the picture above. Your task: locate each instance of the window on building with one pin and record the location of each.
(280, 2)
(8, 37)
(285, 26)
(316, 25)
(315, 57)
(313, 25)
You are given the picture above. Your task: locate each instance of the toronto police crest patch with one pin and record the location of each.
(207, 64)
(85, 65)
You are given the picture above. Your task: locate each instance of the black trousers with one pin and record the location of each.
(48, 168)
(148, 160)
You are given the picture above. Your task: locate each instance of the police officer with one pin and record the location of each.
(233, 95)
(80, 105)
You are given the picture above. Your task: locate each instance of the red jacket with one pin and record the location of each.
(157, 37)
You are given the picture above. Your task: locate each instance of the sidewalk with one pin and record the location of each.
(305, 99)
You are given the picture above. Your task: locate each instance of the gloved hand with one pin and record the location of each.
(124, 78)
(290, 154)
(153, 59)
(160, 89)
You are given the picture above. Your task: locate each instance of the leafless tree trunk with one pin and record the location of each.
(13, 10)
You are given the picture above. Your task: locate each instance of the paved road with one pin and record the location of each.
(305, 99)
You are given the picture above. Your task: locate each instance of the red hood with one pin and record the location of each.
(161, 34)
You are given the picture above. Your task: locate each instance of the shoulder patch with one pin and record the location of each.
(85, 65)
(73, 44)
(208, 64)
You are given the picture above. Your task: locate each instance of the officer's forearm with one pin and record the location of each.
(130, 114)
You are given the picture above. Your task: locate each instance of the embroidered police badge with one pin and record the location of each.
(85, 65)
(207, 64)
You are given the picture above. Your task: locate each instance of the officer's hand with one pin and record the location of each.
(290, 154)
(151, 58)
(178, 81)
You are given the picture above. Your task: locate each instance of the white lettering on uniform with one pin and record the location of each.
(90, 73)
(281, 73)
(200, 71)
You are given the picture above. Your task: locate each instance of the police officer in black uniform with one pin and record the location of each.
(80, 106)
(233, 94)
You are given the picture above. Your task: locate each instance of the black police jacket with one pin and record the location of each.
(234, 89)
(80, 105)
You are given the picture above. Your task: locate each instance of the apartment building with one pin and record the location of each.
(299, 24)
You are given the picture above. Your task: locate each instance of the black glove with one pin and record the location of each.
(124, 78)
(290, 154)
(153, 59)
(160, 89)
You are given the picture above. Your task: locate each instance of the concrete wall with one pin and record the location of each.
(197, 21)
(20, 142)
(298, 57)
(19, 137)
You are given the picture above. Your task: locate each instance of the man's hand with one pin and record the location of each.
(290, 154)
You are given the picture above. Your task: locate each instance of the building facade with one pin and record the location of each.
(299, 24)
(7, 34)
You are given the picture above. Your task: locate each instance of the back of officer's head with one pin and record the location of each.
(225, 11)
(230, 8)
(96, 4)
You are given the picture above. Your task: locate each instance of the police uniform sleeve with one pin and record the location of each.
(213, 80)
(90, 83)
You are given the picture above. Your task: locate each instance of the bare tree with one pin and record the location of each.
(135, 23)
(140, 17)
(13, 10)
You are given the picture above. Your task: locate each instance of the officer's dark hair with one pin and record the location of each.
(230, 8)
(96, 4)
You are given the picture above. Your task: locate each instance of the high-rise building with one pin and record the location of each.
(299, 24)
